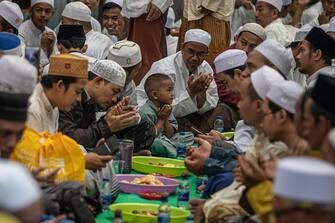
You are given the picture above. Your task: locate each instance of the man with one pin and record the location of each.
(10, 44)
(93, 4)
(297, 202)
(62, 84)
(195, 90)
(268, 16)
(97, 43)
(146, 28)
(114, 24)
(11, 17)
(128, 55)
(210, 15)
(106, 80)
(34, 32)
(315, 55)
(71, 39)
(272, 54)
(319, 111)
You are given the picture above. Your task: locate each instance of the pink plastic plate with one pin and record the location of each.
(170, 185)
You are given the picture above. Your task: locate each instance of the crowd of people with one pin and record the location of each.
(139, 72)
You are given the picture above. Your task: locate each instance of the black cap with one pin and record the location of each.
(71, 32)
(14, 107)
(323, 93)
(321, 40)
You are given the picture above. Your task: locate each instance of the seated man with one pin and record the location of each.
(195, 90)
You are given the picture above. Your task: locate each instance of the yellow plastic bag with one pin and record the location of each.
(51, 151)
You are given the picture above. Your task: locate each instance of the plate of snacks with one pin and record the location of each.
(137, 183)
(145, 164)
(147, 213)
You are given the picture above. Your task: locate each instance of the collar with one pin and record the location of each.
(34, 28)
(325, 70)
(40, 92)
(181, 64)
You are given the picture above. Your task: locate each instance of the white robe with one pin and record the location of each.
(136, 8)
(31, 36)
(240, 17)
(328, 70)
(175, 68)
(171, 44)
(277, 31)
(311, 13)
(95, 25)
(98, 45)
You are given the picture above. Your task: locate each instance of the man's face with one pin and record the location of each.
(247, 42)
(111, 20)
(194, 54)
(105, 93)
(247, 107)
(10, 134)
(329, 7)
(254, 62)
(232, 83)
(165, 93)
(265, 14)
(71, 96)
(304, 58)
(92, 4)
(270, 124)
(41, 14)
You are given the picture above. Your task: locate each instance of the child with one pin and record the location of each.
(158, 109)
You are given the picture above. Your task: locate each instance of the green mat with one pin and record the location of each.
(107, 217)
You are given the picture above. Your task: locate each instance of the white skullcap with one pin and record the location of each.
(118, 2)
(18, 188)
(17, 79)
(275, 3)
(77, 11)
(171, 16)
(110, 71)
(12, 13)
(285, 95)
(331, 137)
(230, 59)
(287, 2)
(276, 54)
(126, 53)
(264, 78)
(305, 179)
(10, 44)
(50, 2)
(199, 36)
(255, 29)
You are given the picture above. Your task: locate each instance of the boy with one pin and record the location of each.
(158, 109)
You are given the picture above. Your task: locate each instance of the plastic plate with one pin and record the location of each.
(228, 135)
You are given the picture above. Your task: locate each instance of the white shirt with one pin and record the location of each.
(175, 68)
(171, 44)
(311, 13)
(277, 31)
(136, 8)
(31, 36)
(328, 70)
(98, 45)
(241, 16)
(95, 25)
(42, 117)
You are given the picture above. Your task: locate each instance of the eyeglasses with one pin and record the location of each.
(193, 53)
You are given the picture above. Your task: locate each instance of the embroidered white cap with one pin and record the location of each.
(77, 11)
(126, 53)
(12, 13)
(230, 59)
(110, 71)
(305, 179)
(278, 4)
(255, 29)
(264, 78)
(199, 36)
(50, 2)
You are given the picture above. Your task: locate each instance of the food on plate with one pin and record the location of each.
(165, 165)
(147, 180)
(145, 213)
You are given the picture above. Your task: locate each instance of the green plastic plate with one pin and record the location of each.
(177, 215)
(228, 135)
(146, 164)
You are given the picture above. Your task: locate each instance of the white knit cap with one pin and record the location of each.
(126, 53)
(264, 78)
(17, 79)
(285, 95)
(230, 59)
(110, 71)
(171, 16)
(199, 36)
(255, 29)
(305, 179)
(275, 3)
(276, 54)
(12, 13)
(287, 2)
(77, 11)
(118, 2)
(18, 188)
(50, 2)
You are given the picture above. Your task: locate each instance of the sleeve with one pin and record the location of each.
(87, 137)
(183, 105)
(261, 200)
(212, 98)
(163, 5)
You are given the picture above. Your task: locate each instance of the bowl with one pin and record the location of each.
(170, 185)
(145, 164)
(177, 215)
